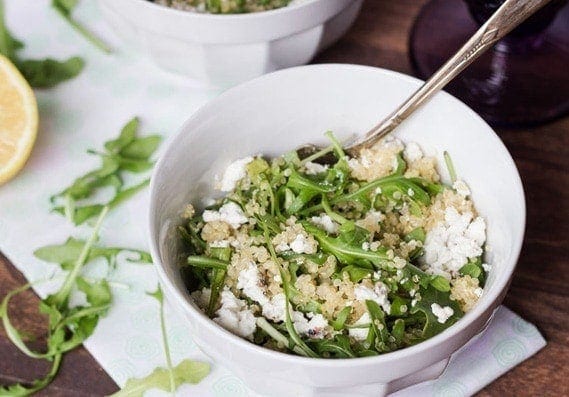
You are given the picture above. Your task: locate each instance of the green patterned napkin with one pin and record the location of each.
(83, 114)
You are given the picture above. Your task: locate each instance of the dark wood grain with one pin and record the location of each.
(539, 290)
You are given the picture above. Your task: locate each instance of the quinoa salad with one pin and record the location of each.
(226, 6)
(336, 259)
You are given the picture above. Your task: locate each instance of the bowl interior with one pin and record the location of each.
(286, 109)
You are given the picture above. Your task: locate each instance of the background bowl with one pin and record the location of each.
(279, 112)
(224, 50)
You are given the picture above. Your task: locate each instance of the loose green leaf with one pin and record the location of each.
(47, 73)
(187, 372)
(127, 153)
(66, 254)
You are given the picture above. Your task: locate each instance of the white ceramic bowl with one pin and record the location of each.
(281, 111)
(224, 50)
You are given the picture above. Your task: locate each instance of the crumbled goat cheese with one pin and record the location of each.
(274, 309)
(378, 294)
(450, 244)
(461, 188)
(442, 313)
(325, 222)
(300, 245)
(486, 267)
(412, 152)
(315, 168)
(234, 316)
(233, 174)
(365, 246)
(360, 334)
(313, 327)
(201, 297)
(249, 281)
(219, 244)
(229, 213)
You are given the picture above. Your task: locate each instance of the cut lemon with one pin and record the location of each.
(18, 120)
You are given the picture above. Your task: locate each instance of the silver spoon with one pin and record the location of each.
(510, 14)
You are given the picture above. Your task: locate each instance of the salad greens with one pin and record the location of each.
(42, 73)
(125, 154)
(65, 8)
(70, 324)
(169, 378)
(308, 232)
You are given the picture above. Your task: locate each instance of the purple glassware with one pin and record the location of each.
(523, 80)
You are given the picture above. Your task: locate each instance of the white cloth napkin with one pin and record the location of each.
(90, 109)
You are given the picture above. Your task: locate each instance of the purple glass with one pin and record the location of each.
(523, 81)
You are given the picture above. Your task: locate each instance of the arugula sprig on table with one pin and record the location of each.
(125, 154)
(40, 73)
(69, 324)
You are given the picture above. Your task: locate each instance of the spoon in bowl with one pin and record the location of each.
(510, 14)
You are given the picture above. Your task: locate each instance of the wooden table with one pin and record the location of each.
(539, 290)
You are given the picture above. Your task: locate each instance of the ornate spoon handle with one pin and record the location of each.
(505, 19)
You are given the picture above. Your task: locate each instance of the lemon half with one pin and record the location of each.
(18, 120)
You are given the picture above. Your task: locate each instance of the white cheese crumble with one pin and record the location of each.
(229, 213)
(378, 294)
(461, 188)
(233, 174)
(300, 245)
(249, 281)
(450, 244)
(219, 244)
(442, 313)
(326, 223)
(360, 334)
(313, 327)
(201, 297)
(315, 168)
(486, 267)
(412, 152)
(235, 316)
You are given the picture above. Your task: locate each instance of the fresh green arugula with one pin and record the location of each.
(70, 325)
(125, 154)
(65, 9)
(275, 191)
(42, 73)
(170, 378)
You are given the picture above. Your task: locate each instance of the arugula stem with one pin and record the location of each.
(337, 146)
(207, 263)
(334, 215)
(166, 347)
(97, 42)
(276, 335)
(63, 294)
(450, 167)
(316, 155)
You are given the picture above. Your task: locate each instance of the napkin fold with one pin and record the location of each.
(90, 109)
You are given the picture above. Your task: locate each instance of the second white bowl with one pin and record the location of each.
(224, 50)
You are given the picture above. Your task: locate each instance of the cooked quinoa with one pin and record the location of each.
(359, 257)
(224, 6)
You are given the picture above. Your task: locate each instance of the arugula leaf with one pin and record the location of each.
(42, 73)
(65, 8)
(127, 153)
(67, 253)
(474, 269)
(187, 371)
(47, 73)
(168, 379)
(429, 296)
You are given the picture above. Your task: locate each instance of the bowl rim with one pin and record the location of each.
(206, 15)
(490, 302)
